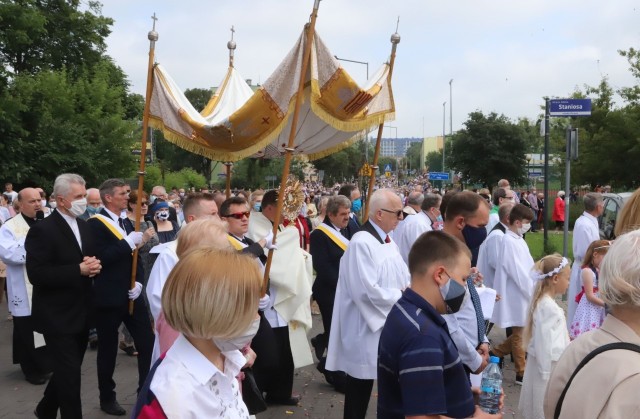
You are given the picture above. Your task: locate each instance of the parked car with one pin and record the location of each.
(613, 203)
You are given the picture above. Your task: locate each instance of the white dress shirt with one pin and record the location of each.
(189, 386)
(73, 223)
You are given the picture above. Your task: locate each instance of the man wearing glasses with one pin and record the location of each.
(371, 279)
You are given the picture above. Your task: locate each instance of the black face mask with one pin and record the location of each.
(474, 236)
(453, 295)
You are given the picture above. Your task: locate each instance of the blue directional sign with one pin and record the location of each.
(570, 107)
(387, 168)
(438, 176)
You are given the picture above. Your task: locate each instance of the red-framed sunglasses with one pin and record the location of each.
(239, 215)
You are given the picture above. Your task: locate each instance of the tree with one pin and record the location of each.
(489, 148)
(433, 161)
(414, 154)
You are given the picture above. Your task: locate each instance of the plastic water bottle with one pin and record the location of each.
(491, 387)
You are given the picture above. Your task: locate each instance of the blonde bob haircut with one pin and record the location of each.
(620, 271)
(207, 232)
(212, 293)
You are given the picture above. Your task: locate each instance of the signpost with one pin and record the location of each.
(438, 176)
(570, 107)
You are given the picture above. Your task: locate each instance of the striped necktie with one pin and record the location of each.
(475, 299)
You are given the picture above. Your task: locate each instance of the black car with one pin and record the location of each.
(613, 203)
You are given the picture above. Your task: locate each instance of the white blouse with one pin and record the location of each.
(188, 385)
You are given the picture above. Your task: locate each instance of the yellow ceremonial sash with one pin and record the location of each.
(332, 235)
(237, 244)
(110, 226)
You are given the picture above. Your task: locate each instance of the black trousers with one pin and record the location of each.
(107, 322)
(63, 390)
(325, 299)
(356, 397)
(274, 372)
(33, 361)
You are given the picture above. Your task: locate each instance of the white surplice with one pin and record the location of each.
(513, 282)
(585, 231)
(488, 256)
(412, 227)
(372, 275)
(12, 252)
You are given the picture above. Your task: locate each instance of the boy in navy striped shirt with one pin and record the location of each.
(419, 370)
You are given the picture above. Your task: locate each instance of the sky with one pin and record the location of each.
(503, 56)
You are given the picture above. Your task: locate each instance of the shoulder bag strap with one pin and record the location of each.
(589, 357)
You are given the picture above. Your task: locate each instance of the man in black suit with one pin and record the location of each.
(328, 244)
(115, 242)
(60, 264)
(353, 193)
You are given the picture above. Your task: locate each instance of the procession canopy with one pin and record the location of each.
(239, 123)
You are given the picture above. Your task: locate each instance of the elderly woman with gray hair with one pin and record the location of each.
(605, 384)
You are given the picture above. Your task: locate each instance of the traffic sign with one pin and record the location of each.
(570, 107)
(387, 168)
(535, 174)
(438, 176)
(387, 174)
(366, 170)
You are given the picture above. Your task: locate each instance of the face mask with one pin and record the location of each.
(256, 206)
(474, 236)
(453, 295)
(78, 207)
(356, 205)
(181, 194)
(44, 202)
(525, 227)
(152, 199)
(93, 210)
(237, 343)
(162, 215)
(53, 204)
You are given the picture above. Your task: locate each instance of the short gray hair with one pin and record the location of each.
(379, 199)
(62, 185)
(335, 202)
(108, 187)
(591, 201)
(415, 198)
(322, 203)
(620, 271)
(431, 200)
(505, 210)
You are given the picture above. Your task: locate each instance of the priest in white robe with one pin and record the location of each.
(28, 346)
(585, 231)
(289, 311)
(415, 225)
(513, 282)
(488, 260)
(372, 277)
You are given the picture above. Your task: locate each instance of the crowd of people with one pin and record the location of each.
(407, 291)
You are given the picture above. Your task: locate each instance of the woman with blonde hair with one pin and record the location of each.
(545, 335)
(606, 386)
(215, 312)
(629, 218)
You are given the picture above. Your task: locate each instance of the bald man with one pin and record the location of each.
(371, 279)
(27, 352)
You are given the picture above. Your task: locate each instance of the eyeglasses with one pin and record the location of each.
(398, 213)
(238, 215)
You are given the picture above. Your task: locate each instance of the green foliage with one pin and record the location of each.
(489, 148)
(345, 164)
(433, 161)
(185, 178)
(414, 153)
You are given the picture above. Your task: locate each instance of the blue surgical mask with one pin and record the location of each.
(474, 236)
(93, 210)
(257, 206)
(440, 219)
(356, 205)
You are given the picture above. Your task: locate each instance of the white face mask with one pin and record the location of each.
(53, 204)
(239, 342)
(78, 207)
(525, 227)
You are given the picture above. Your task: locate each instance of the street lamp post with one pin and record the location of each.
(450, 108)
(444, 111)
(354, 61)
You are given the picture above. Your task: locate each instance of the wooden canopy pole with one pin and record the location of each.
(153, 37)
(228, 189)
(306, 57)
(395, 40)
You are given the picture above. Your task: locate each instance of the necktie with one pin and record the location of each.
(344, 232)
(121, 224)
(388, 239)
(475, 299)
(244, 240)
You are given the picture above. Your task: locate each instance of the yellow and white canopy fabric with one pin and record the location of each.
(237, 123)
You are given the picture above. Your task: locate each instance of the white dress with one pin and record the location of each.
(549, 339)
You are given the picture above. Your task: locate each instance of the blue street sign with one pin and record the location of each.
(438, 176)
(535, 174)
(570, 107)
(387, 168)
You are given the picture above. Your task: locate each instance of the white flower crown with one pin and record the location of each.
(539, 276)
